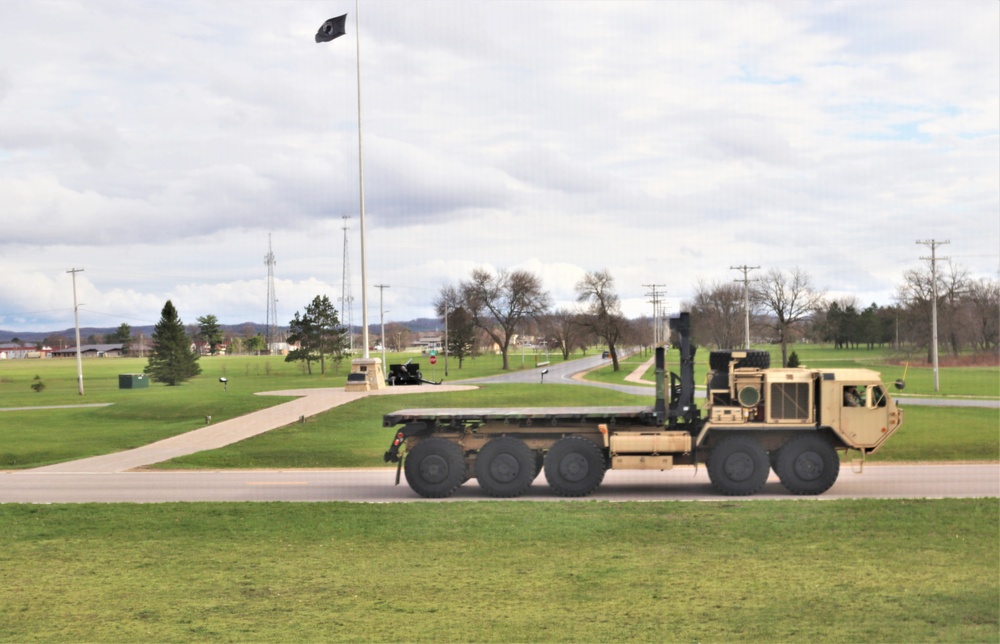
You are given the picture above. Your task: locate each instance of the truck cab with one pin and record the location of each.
(855, 405)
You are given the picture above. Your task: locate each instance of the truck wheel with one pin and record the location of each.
(574, 466)
(738, 466)
(435, 468)
(505, 467)
(808, 465)
(755, 359)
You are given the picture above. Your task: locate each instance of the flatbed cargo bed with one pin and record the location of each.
(553, 415)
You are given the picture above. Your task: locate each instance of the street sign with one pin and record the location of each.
(433, 353)
(434, 359)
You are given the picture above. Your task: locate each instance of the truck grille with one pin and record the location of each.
(790, 401)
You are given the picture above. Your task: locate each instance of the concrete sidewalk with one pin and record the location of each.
(312, 402)
(640, 371)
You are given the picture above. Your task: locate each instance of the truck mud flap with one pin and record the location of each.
(411, 429)
(392, 456)
(858, 464)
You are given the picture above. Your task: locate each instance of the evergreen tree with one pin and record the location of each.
(123, 336)
(171, 360)
(210, 333)
(318, 334)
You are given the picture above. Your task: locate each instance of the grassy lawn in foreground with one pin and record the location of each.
(836, 571)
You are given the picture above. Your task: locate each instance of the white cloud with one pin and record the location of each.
(663, 140)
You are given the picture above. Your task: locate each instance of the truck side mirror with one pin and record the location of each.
(900, 384)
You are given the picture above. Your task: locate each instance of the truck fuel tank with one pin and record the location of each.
(649, 443)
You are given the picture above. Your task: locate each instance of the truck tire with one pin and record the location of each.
(808, 465)
(505, 467)
(435, 468)
(755, 359)
(738, 466)
(574, 466)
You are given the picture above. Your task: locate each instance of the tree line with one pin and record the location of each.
(504, 305)
(494, 308)
(785, 307)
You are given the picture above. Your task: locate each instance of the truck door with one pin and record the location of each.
(864, 416)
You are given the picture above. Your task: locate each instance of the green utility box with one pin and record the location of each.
(133, 381)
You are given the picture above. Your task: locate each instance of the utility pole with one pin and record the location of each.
(381, 315)
(746, 300)
(656, 310)
(76, 320)
(933, 244)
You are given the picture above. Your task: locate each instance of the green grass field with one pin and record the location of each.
(350, 436)
(787, 571)
(963, 382)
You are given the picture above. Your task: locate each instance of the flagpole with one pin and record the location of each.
(361, 188)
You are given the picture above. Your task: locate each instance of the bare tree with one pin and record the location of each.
(916, 295)
(563, 329)
(956, 286)
(397, 336)
(500, 303)
(718, 313)
(789, 299)
(602, 314)
(984, 302)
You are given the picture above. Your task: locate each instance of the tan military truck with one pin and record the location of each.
(755, 419)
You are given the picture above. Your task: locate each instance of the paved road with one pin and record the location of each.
(377, 485)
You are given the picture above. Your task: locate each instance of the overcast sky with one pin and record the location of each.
(158, 145)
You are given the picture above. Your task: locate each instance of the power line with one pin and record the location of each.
(656, 310)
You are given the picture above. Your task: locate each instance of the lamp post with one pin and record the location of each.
(76, 321)
(446, 338)
(381, 290)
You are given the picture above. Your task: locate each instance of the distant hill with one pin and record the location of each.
(30, 337)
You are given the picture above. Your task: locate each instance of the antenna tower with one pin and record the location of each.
(346, 299)
(271, 327)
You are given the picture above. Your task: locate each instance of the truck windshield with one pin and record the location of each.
(878, 396)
